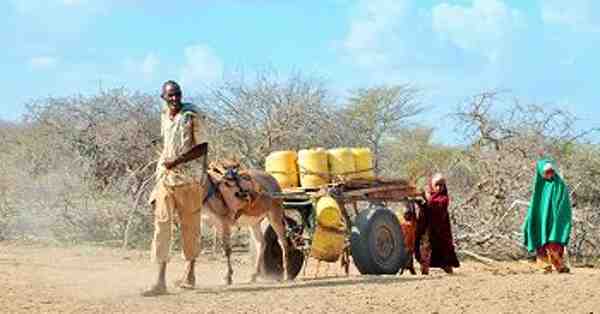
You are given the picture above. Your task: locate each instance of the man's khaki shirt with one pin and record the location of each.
(180, 133)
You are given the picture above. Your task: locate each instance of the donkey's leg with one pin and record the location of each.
(259, 243)
(277, 221)
(226, 242)
(215, 244)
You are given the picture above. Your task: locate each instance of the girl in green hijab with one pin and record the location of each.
(548, 223)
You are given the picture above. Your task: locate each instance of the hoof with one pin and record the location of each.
(254, 278)
(155, 291)
(185, 284)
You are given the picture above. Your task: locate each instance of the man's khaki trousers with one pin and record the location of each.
(185, 201)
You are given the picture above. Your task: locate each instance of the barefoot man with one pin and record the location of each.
(178, 191)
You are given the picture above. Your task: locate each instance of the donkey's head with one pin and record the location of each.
(227, 168)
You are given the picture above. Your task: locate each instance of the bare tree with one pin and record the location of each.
(86, 159)
(495, 118)
(379, 112)
(256, 117)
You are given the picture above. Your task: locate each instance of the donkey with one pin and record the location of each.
(263, 207)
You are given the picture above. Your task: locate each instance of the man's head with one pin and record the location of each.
(171, 93)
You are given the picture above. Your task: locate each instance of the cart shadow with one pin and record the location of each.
(310, 283)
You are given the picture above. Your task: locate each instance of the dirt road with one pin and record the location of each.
(36, 278)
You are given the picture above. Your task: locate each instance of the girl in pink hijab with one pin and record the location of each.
(434, 245)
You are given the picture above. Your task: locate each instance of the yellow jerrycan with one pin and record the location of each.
(363, 160)
(329, 239)
(342, 165)
(313, 166)
(282, 165)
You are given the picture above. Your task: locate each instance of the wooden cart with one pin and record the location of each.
(374, 240)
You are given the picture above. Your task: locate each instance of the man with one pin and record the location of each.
(178, 189)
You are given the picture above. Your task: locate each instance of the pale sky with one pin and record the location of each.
(545, 51)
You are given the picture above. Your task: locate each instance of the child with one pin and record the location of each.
(409, 230)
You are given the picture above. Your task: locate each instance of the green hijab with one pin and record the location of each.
(549, 214)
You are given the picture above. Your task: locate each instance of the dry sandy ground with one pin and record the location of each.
(35, 278)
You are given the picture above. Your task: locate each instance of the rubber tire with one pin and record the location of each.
(273, 266)
(363, 242)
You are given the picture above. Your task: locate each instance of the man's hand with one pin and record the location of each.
(169, 164)
(194, 153)
(156, 141)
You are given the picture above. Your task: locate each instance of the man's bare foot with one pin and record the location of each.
(156, 290)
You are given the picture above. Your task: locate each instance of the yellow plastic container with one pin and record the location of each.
(282, 165)
(328, 213)
(327, 244)
(314, 170)
(400, 216)
(342, 165)
(363, 160)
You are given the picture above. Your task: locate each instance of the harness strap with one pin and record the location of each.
(212, 190)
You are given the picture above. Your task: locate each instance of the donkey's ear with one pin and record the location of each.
(234, 161)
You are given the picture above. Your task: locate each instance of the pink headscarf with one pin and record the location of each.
(440, 197)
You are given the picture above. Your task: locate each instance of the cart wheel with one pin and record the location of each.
(377, 242)
(273, 266)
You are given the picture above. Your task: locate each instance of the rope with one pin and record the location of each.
(352, 172)
(323, 175)
(282, 172)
